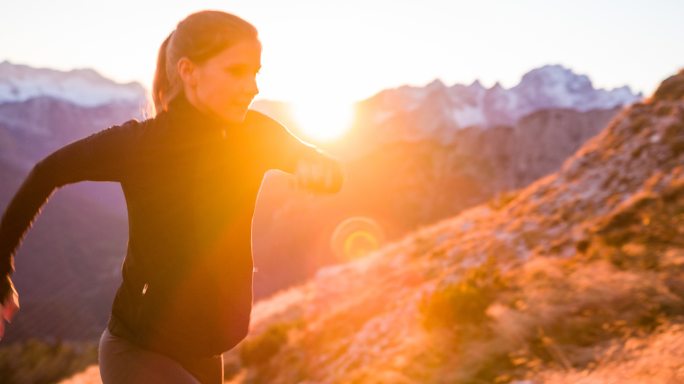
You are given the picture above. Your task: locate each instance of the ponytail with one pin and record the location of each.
(161, 85)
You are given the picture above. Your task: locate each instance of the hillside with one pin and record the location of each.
(566, 278)
(422, 182)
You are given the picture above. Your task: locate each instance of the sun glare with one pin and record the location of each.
(355, 237)
(323, 119)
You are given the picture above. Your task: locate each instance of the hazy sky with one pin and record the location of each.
(348, 50)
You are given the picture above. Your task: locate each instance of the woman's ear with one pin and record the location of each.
(187, 71)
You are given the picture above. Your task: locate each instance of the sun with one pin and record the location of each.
(323, 119)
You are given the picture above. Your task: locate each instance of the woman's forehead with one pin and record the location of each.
(244, 52)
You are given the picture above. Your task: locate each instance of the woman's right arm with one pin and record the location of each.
(101, 156)
(292, 155)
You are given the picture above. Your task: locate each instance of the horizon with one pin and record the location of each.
(148, 89)
(418, 43)
(315, 62)
(328, 122)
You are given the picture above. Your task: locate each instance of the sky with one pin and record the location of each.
(344, 51)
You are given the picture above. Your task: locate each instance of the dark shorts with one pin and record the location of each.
(124, 362)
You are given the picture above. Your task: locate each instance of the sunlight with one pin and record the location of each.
(323, 119)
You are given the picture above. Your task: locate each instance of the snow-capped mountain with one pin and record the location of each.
(436, 110)
(83, 87)
(42, 109)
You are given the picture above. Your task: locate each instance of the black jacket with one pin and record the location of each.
(190, 184)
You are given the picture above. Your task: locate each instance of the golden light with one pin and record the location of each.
(323, 118)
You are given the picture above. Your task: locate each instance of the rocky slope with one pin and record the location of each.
(560, 280)
(403, 185)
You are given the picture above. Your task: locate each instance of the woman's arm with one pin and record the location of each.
(319, 175)
(101, 156)
(316, 170)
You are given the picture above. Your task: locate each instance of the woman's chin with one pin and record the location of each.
(235, 115)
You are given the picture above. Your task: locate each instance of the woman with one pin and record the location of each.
(190, 176)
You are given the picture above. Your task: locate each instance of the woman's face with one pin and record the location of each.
(225, 84)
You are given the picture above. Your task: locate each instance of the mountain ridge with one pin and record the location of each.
(548, 86)
(83, 86)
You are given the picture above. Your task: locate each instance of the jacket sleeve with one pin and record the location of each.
(101, 156)
(284, 150)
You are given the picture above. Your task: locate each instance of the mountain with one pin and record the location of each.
(44, 109)
(574, 278)
(83, 87)
(409, 137)
(437, 111)
(400, 185)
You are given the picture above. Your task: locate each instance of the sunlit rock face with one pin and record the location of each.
(572, 276)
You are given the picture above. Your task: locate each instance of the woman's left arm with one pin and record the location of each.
(314, 169)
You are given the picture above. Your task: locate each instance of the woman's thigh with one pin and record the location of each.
(123, 362)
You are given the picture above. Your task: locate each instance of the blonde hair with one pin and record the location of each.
(198, 37)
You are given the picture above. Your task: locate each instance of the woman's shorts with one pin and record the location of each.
(124, 362)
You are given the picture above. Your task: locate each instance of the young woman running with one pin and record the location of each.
(190, 176)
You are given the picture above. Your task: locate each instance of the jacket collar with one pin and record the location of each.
(187, 116)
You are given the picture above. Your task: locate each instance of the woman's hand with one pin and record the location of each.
(8, 307)
(320, 175)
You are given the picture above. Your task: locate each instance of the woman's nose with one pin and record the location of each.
(251, 87)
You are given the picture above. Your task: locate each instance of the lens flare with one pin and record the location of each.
(356, 237)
